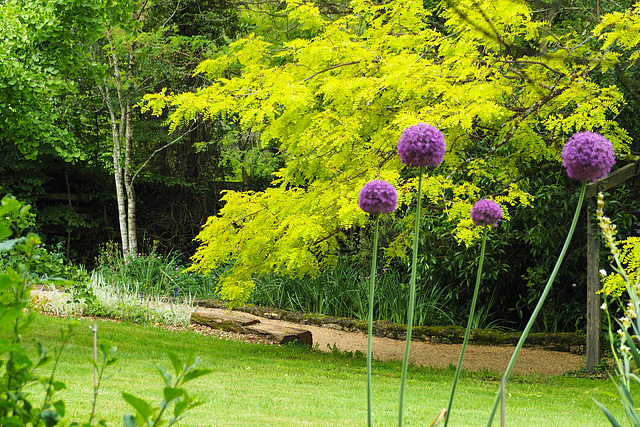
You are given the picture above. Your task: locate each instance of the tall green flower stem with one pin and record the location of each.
(372, 287)
(546, 290)
(469, 323)
(412, 303)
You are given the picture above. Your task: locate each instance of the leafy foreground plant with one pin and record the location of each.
(587, 157)
(19, 371)
(626, 355)
(16, 409)
(173, 395)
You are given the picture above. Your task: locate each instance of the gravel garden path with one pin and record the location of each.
(477, 357)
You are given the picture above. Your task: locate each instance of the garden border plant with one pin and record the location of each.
(587, 157)
(376, 197)
(420, 146)
(484, 213)
(17, 406)
(626, 356)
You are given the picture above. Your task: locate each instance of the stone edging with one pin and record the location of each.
(562, 341)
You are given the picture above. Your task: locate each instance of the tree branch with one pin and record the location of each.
(528, 61)
(159, 150)
(331, 68)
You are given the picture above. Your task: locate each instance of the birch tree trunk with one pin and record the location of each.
(128, 159)
(122, 134)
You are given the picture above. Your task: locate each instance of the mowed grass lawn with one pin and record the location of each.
(260, 385)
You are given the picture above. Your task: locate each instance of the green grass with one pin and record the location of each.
(259, 385)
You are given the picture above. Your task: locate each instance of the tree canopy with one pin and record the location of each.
(506, 85)
(43, 53)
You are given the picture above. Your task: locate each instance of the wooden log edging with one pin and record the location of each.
(561, 341)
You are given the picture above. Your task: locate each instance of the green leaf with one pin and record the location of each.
(176, 362)
(195, 374)
(181, 407)
(41, 349)
(92, 362)
(165, 375)
(12, 421)
(60, 407)
(49, 417)
(57, 281)
(58, 385)
(129, 421)
(106, 347)
(140, 405)
(171, 393)
(609, 415)
(174, 420)
(632, 347)
(8, 245)
(4, 232)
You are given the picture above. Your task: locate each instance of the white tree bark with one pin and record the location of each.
(128, 160)
(122, 134)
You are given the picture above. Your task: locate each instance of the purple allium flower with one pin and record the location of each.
(486, 212)
(421, 145)
(588, 156)
(378, 197)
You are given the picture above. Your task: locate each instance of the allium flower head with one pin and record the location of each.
(588, 156)
(378, 197)
(486, 212)
(421, 145)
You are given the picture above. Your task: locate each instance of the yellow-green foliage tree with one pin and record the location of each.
(505, 87)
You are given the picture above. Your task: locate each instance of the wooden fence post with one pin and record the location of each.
(594, 315)
(593, 297)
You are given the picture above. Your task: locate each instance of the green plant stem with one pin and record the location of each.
(372, 286)
(412, 304)
(546, 290)
(469, 323)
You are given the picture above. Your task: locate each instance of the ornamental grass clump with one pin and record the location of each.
(420, 145)
(484, 213)
(376, 197)
(587, 157)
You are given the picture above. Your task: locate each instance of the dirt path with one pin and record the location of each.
(477, 357)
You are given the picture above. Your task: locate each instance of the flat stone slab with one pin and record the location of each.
(232, 322)
(239, 318)
(283, 334)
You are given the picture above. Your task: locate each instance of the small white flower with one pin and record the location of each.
(626, 324)
(603, 306)
(603, 272)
